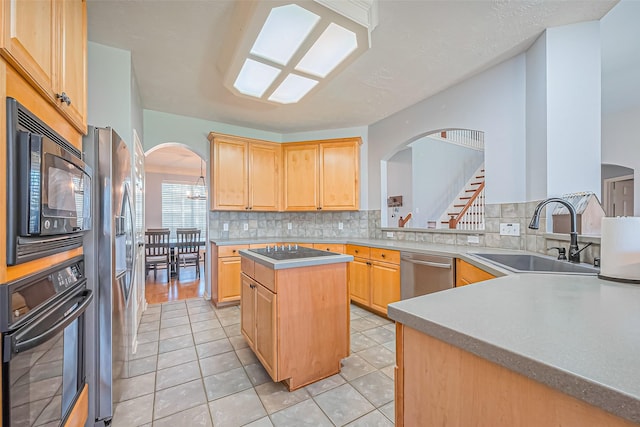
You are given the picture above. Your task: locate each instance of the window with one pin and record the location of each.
(178, 211)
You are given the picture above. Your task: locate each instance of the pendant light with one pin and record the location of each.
(199, 189)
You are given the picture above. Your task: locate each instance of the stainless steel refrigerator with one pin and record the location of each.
(110, 263)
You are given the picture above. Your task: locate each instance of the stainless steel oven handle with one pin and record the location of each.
(427, 263)
(20, 344)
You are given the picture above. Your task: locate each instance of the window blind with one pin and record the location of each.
(180, 212)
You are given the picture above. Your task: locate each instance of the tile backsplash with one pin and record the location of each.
(367, 224)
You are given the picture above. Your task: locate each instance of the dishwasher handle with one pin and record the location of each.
(428, 263)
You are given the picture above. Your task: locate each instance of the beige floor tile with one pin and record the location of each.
(226, 383)
(194, 417)
(306, 413)
(179, 374)
(134, 412)
(237, 409)
(130, 388)
(276, 397)
(343, 404)
(176, 399)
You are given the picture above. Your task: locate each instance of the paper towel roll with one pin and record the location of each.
(620, 249)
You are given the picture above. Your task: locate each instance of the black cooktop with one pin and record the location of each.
(285, 253)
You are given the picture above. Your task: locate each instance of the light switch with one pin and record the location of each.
(340, 226)
(245, 226)
(289, 226)
(225, 226)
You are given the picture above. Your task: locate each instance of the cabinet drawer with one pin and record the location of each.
(467, 273)
(358, 251)
(329, 247)
(224, 251)
(248, 266)
(385, 255)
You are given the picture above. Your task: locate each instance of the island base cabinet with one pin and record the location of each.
(265, 343)
(296, 320)
(438, 384)
(248, 310)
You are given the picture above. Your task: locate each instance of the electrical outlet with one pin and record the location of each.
(340, 226)
(225, 227)
(289, 226)
(389, 233)
(509, 229)
(245, 226)
(473, 239)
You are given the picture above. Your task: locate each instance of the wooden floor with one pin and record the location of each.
(159, 291)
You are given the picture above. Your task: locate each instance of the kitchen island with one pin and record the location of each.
(521, 350)
(295, 311)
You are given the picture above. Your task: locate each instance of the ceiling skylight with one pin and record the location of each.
(331, 48)
(292, 89)
(281, 51)
(255, 78)
(283, 32)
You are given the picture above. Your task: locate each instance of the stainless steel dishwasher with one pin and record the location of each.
(423, 274)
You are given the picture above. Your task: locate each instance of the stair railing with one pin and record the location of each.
(471, 217)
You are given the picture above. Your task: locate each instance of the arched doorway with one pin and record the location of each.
(176, 190)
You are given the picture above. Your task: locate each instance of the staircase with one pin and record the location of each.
(466, 212)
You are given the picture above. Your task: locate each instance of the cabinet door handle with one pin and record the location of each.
(63, 97)
(319, 208)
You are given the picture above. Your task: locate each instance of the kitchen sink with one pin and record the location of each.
(526, 263)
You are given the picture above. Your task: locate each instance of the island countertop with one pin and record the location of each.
(275, 264)
(577, 334)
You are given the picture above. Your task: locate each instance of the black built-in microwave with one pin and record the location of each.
(48, 189)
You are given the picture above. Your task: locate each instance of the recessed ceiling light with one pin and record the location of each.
(283, 32)
(292, 89)
(331, 48)
(255, 78)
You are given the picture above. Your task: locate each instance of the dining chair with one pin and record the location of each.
(157, 251)
(188, 249)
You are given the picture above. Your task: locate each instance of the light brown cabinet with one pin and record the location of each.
(329, 247)
(46, 41)
(467, 274)
(374, 277)
(258, 322)
(225, 274)
(245, 174)
(439, 384)
(296, 320)
(322, 175)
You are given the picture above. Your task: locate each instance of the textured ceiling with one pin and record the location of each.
(418, 49)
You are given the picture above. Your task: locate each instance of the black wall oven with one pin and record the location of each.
(48, 189)
(43, 352)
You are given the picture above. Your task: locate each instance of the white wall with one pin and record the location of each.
(162, 127)
(621, 145)
(440, 172)
(492, 102)
(109, 88)
(536, 159)
(399, 183)
(621, 89)
(573, 108)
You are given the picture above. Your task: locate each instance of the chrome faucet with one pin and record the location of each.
(574, 252)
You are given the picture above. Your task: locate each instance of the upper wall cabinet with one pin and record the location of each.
(322, 175)
(46, 41)
(245, 175)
